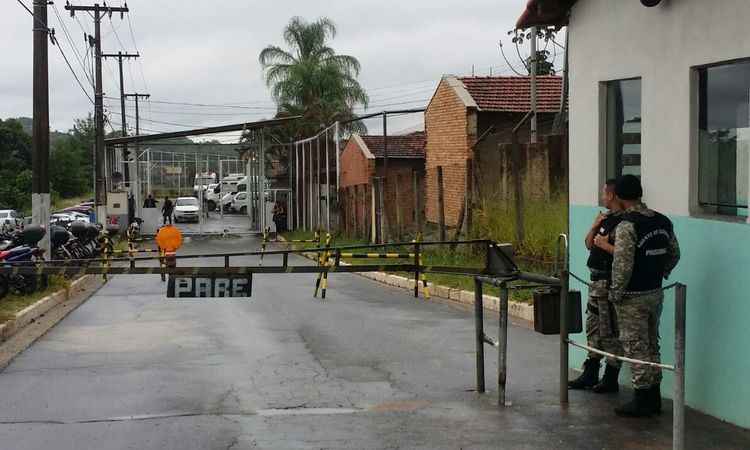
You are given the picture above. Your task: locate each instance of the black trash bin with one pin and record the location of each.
(547, 311)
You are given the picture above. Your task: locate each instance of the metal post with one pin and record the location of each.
(564, 331)
(533, 71)
(302, 191)
(310, 206)
(328, 188)
(678, 430)
(296, 190)
(317, 185)
(502, 348)
(338, 165)
(479, 332)
(221, 192)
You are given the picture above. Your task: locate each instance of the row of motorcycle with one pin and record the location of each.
(77, 241)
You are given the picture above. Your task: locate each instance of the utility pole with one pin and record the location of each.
(136, 173)
(533, 86)
(101, 188)
(125, 154)
(40, 198)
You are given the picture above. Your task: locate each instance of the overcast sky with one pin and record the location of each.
(207, 52)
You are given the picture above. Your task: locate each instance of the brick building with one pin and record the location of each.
(363, 159)
(461, 110)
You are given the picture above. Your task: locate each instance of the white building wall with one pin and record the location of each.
(616, 39)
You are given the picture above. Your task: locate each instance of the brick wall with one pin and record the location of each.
(543, 167)
(355, 167)
(451, 129)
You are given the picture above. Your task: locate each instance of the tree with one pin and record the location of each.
(310, 78)
(71, 160)
(15, 166)
(543, 65)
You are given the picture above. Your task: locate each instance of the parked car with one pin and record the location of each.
(186, 209)
(239, 203)
(62, 219)
(10, 219)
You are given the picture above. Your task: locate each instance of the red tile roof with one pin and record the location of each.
(513, 94)
(545, 13)
(400, 146)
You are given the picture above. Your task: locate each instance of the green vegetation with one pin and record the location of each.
(543, 223)
(12, 304)
(70, 166)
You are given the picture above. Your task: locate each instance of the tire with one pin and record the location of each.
(243, 210)
(211, 205)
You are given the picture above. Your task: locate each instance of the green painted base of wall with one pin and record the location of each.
(715, 266)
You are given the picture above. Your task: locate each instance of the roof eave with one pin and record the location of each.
(545, 13)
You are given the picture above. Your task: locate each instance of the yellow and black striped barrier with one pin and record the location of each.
(378, 255)
(324, 258)
(135, 250)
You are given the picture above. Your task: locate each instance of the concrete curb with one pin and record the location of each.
(32, 312)
(517, 310)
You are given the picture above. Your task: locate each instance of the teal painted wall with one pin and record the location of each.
(715, 266)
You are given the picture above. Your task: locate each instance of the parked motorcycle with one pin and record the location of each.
(21, 250)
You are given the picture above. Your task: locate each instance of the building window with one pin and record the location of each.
(724, 138)
(623, 128)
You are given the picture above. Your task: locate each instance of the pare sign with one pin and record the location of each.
(237, 286)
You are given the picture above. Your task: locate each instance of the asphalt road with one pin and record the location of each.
(369, 367)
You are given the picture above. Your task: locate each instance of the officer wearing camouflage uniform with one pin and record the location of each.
(601, 329)
(646, 251)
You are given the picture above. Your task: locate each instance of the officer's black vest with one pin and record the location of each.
(651, 250)
(599, 259)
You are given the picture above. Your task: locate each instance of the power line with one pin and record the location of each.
(54, 41)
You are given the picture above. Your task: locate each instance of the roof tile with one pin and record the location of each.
(513, 94)
(400, 146)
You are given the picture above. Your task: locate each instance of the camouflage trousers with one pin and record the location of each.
(601, 323)
(638, 318)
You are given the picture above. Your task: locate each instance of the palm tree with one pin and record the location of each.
(310, 78)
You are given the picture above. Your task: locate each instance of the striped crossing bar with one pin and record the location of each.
(143, 250)
(378, 255)
(46, 269)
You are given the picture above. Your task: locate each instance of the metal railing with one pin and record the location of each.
(562, 284)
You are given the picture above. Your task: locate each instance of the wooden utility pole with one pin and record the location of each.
(40, 198)
(123, 119)
(100, 186)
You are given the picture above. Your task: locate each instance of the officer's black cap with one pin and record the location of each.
(629, 187)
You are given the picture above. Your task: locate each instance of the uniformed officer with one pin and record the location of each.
(646, 251)
(601, 331)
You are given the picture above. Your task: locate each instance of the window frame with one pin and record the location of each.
(603, 128)
(699, 209)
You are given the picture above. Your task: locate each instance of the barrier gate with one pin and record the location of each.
(499, 270)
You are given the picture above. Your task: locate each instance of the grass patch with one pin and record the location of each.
(12, 304)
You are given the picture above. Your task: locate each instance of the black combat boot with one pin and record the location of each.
(640, 406)
(589, 377)
(609, 380)
(655, 392)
